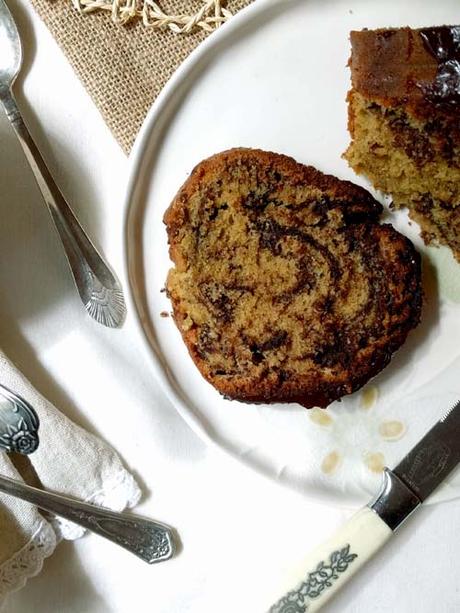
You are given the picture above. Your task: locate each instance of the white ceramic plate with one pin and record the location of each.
(275, 78)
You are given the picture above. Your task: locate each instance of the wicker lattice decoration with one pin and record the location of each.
(208, 17)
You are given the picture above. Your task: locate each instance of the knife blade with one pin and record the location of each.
(434, 457)
(323, 572)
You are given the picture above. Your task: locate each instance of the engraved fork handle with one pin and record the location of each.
(149, 540)
(99, 290)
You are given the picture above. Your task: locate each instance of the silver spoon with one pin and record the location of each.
(149, 540)
(99, 290)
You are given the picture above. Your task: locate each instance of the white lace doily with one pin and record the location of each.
(28, 561)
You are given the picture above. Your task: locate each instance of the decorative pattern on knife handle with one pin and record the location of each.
(316, 582)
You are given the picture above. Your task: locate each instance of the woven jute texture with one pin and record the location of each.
(123, 68)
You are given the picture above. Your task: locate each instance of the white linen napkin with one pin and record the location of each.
(70, 461)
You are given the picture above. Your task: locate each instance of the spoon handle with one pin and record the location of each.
(99, 290)
(151, 541)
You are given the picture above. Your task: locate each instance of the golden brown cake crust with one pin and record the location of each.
(285, 287)
(386, 66)
(401, 67)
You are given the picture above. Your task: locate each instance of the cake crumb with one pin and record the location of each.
(164, 314)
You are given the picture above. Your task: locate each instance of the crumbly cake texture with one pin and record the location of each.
(285, 287)
(404, 109)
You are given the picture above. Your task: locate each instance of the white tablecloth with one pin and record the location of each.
(239, 531)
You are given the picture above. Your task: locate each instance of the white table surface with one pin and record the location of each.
(232, 522)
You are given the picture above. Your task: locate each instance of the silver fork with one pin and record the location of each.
(150, 540)
(99, 290)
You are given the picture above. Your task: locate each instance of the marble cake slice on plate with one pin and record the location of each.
(285, 287)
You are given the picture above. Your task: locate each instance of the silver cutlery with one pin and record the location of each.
(404, 489)
(18, 424)
(149, 540)
(99, 290)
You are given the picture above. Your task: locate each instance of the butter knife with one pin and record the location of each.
(403, 490)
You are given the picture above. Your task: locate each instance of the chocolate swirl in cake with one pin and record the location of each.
(444, 44)
(286, 288)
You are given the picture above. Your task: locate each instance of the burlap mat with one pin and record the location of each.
(122, 67)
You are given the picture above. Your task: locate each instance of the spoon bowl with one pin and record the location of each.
(10, 48)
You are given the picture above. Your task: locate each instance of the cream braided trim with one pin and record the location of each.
(209, 17)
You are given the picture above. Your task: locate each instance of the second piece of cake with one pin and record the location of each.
(404, 109)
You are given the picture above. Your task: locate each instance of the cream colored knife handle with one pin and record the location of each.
(323, 572)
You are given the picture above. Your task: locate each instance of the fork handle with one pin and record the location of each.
(98, 288)
(149, 540)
